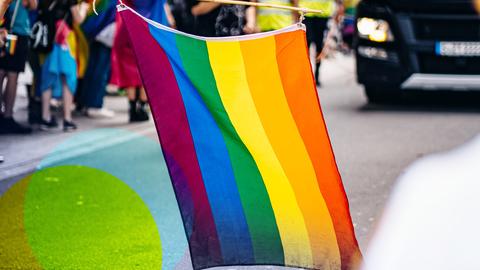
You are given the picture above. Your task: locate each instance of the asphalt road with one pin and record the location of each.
(373, 144)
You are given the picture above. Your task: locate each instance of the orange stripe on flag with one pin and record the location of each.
(305, 107)
(266, 88)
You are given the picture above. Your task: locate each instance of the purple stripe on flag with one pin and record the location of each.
(175, 136)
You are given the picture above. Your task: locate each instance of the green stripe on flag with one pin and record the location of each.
(253, 194)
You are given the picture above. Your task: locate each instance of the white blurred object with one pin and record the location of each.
(106, 35)
(24, 78)
(433, 218)
(111, 89)
(100, 113)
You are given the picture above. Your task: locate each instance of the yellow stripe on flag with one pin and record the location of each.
(229, 71)
(267, 91)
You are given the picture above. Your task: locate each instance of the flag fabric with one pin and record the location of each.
(246, 146)
(93, 23)
(88, 30)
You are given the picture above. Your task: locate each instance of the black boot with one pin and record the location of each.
(34, 107)
(69, 126)
(46, 125)
(10, 126)
(133, 111)
(142, 113)
(317, 75)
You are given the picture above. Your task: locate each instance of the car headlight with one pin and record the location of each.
(374, 29)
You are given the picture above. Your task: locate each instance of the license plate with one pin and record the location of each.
(457, 48)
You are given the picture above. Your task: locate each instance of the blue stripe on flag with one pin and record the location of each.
(214, 161)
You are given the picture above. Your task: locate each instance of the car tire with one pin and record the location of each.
(383, 95)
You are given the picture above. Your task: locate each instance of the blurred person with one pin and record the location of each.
(431, 220)
(59, 71)
(206, 14)
(33, 59)
(124, 67)
(317, 25)
(348, 27)
(269, 19)
(217, 20)
(182, 15)
(98, 73)
(3, 7)
(12, 61)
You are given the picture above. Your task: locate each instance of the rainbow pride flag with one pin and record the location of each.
(246, 146)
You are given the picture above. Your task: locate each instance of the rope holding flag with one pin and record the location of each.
(246, 146)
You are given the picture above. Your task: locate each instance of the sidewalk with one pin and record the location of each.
(22, 153)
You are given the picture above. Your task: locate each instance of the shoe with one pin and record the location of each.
(34, 111)
(100, 113)
(138, 111)
(142, 113)
(112, 90)
(46, 125)
(1, 159)
(69, 126)
(10, 126)
(55, 104)
(132, 111)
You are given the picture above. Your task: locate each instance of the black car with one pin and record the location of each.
(411, 44)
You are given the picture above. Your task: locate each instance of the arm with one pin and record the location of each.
(170, 18)
(79, 12)
(339, 14)
(251, 21)
(3, 7)
(203, 8)
(30, 4)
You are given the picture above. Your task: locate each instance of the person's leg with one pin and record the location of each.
(2, 103)
(3, 123)
(103, 65)
(320, 26)
(89, 80)
(310, 31)
(67, 101)
(10, 94)
(34, 103)
(311, 23)
(143, 95)
(67, 107)
(9, 124)
(47, 121)
(132, 102)
(46, 97)
(131, 93)
(13, 65)
(142, 114)
(138, 101)
(96, 82)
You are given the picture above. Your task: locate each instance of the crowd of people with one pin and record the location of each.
(52, 35)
